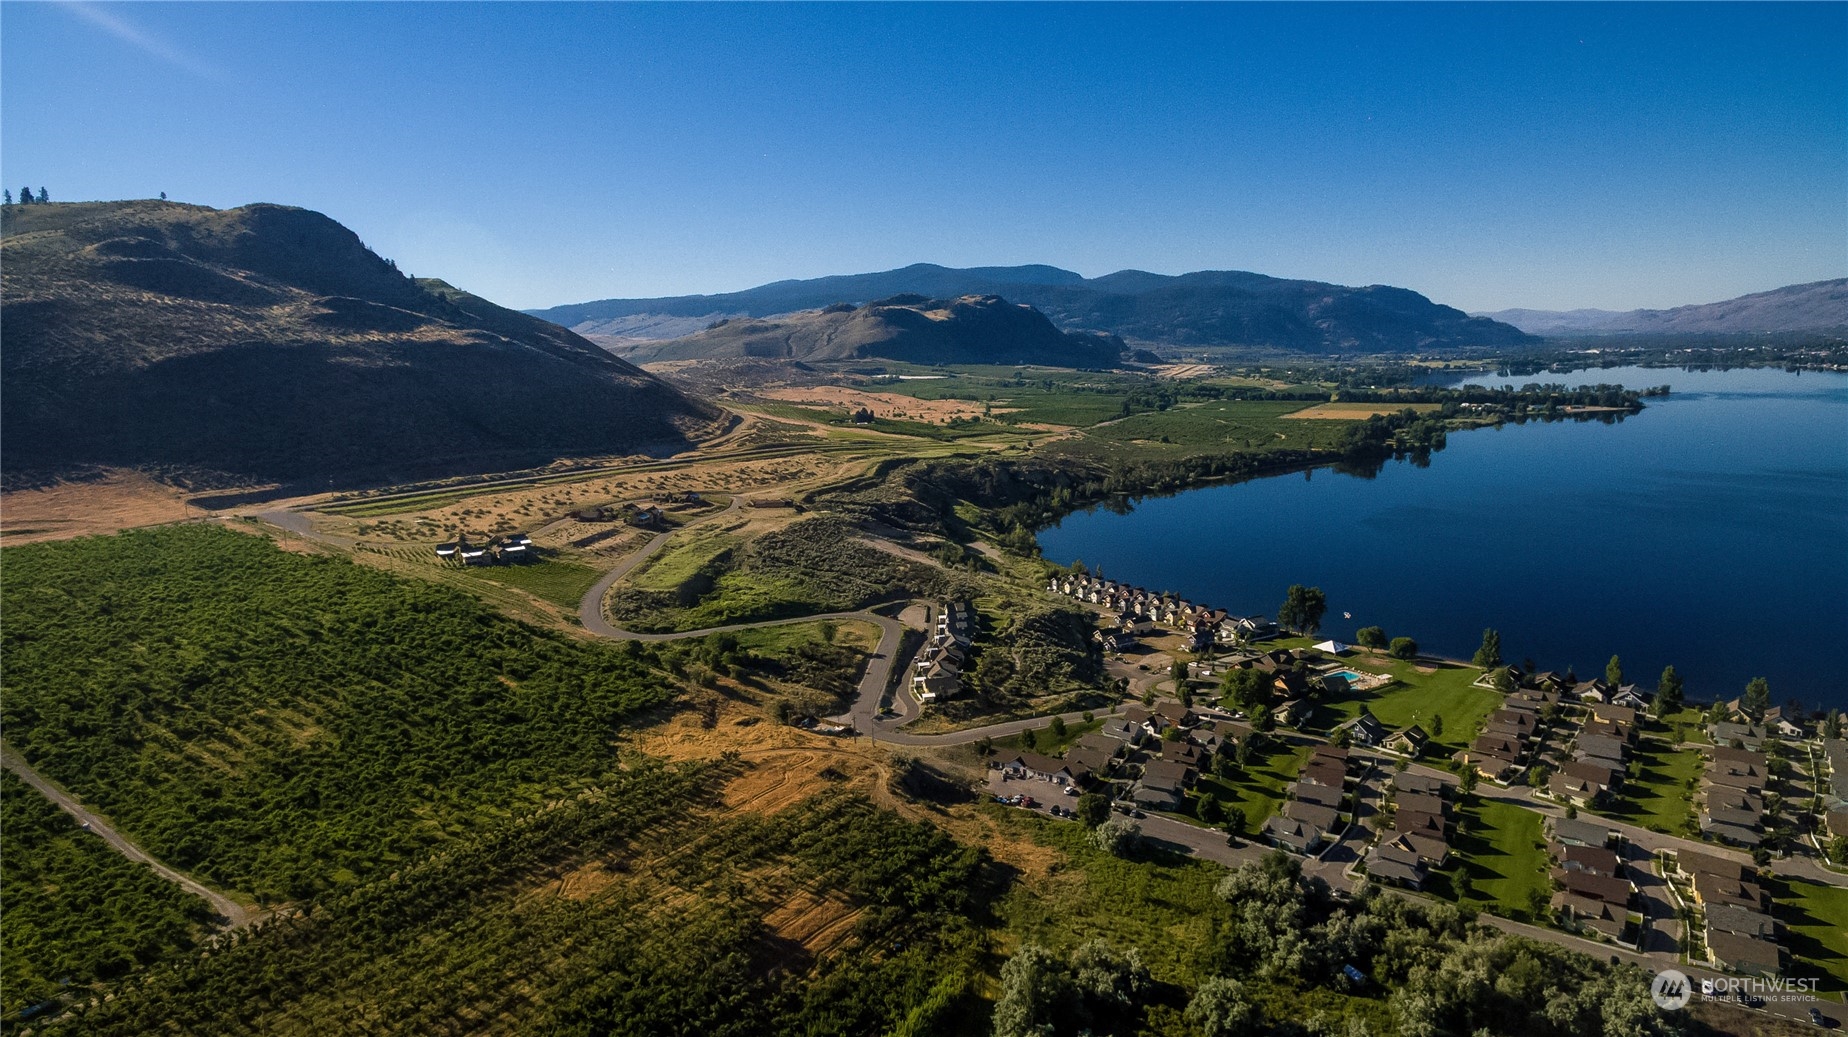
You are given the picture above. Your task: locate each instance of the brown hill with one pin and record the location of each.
(981, 329)
(267, 343)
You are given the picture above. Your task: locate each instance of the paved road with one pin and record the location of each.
(233, 913)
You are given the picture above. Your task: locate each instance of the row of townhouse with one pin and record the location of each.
(1740, 931)
(1136, 611)
(937, 673)
(1600, 756)
(1158, 771)
(1511, 735)
(1316, 802)
(1732, 798)
(1418, 838)
(1594, 890)
(1835, 791)
(511, 548)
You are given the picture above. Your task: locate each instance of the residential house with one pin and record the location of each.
(1406, 781)
(1313, 814)
(1098, 741)
(1597, 772)
(1252, 628)
(1042, 768)
(1615, 730)
(1739, 953)
(1615, 891)
(1617, 712)
(1419, 802)
(1169, 774)
(1630, 697)
(1321, 795)
(1397, 864)
(1512, 724)
(1123, 730)
(1730, 918)
(1603, 747)
(1713, 889)
(1176, 714)
(1410, 741)
(1151, 723)
(1365, 730)
(1748, 736)
(1606, 919)
(1694, 862)
(1594, 859)
(1292, 713)
(1087, 764)
(447, 550)
(1576, 791)
(1293, 835)
(1745, 775)
(1582, 832)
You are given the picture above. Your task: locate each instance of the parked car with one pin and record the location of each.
(1816, 1017)
(1071, 790)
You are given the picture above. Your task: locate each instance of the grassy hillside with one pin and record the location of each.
(268, 343)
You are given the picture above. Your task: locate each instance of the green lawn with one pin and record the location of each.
(1045, 743)
(1815, 917)
(1659, 797)
(557, 581)
(1693, 724)
(1500, 848)
(1258, 789)
(1417, 698)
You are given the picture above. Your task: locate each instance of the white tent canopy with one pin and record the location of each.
(1332, 647)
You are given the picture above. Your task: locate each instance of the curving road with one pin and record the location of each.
(234, 914)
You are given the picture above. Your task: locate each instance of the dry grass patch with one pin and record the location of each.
(818, 923)
(115, 501)
(882, 404)
(1358, 411)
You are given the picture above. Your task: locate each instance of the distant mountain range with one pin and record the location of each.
(1205, 309)
(1819, 306)
(267, 343)
(974, 329)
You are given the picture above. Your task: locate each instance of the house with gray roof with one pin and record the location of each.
(1293, 835)
(1581, 832)
(1731, 918)
(1738, 953)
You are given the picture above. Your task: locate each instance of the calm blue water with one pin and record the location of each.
(1709, 531)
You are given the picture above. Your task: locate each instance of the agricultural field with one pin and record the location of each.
(77, 911)
(556, 580)
(283, 724)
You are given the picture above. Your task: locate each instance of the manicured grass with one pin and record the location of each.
(1693, 724)
(1045, 743)
(1500, 847)
(1815, 918)
(557, 581)
(1658, 795)
(1258, 789)
(1418, 698)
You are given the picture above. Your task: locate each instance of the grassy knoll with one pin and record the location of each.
(683, 557)
(1258, 789)
(1815, 917)
(1690, 722)
(1419, 697)
(555, 580)
(1658, 794)
(1500, 848)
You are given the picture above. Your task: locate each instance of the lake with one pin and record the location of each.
(1710, 531)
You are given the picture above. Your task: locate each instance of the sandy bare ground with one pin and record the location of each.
(1357, 411)
(1185, 370)
(882, 404)
(119, 500)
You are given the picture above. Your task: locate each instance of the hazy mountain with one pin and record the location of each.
(1209, 308)
(968, 330)
(1819, 306)
(269, 343)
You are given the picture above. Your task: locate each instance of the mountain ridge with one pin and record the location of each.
(968, 329)
(267, 343)
(1203, 308)
(1814, 306)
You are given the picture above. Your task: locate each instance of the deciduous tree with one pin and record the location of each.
(1489, 655)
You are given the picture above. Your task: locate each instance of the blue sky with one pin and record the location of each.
(1548, 156)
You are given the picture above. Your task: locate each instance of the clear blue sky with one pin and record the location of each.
(1549, 155)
